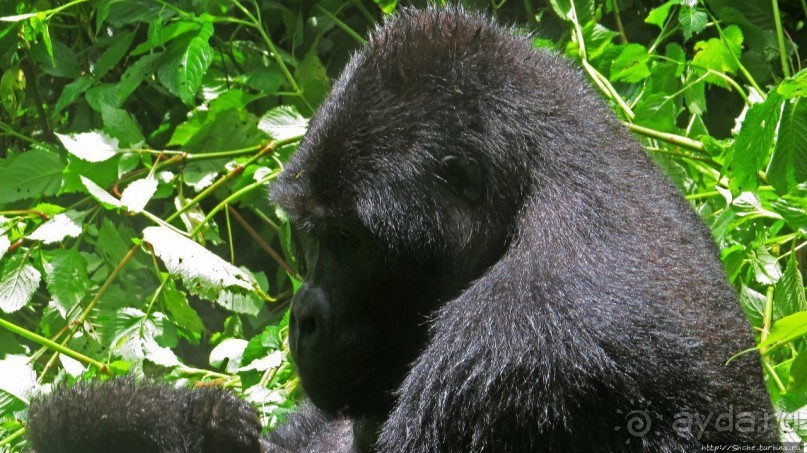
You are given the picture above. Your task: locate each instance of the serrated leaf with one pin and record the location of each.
(693, 21)
(313, 77)
(59, 227)
(716, 54)
(180, 311)
(766, 267)
(114, 54)
(753, 305)
(62, 63)
(18, 282)
(138, 193)
(788, 165)
(101, 195)
(72, 91)
(282, 123)
(794, 86)
(631, 64)
(30, 174)
(66, 278)
(134, 337)
(202, 272)
(244, 303)
(134, 76)
(658, 15)
(186, 62)
(785, 330)
(788, 296)
(100, 95)
(793, 207)
(753, 143)
(121, 125)
(93, 146)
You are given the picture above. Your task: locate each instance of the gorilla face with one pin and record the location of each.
(375, 266)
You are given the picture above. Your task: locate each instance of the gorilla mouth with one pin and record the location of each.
(338, 395)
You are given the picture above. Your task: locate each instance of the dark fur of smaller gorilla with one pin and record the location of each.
(492, 263)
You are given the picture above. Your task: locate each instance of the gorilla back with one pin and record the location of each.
(457, 172)
(492, 263)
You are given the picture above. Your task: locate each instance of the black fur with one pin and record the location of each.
(494, 264)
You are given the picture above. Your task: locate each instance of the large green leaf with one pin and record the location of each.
(31, 174)
(751, 148)
(18, 281)
(185, 63)
(788, 165)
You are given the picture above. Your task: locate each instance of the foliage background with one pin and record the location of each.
(136, 138)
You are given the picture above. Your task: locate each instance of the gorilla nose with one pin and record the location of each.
(310, 321)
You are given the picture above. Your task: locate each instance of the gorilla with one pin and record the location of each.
(492, 263)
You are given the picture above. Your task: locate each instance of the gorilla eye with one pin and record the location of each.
(343, 237)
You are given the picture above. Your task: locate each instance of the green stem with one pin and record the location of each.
(233, 197)
(678, 140)
(736, 59)
(39, 339)
(780, 37)
(352, 33)
(14, 436)
(232, 174)
(257, 25)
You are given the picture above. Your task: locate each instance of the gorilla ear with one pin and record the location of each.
(464, 175)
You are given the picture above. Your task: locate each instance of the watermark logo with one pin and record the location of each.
(636, 422)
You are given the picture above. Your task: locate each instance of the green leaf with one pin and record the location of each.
(755, 140)
(59, 227)
(31, 174)
(138, 193)
(18, 282)
(766, 267)
(63, 64)
(788, 165)
(179, 310)
(716, 55)
(230, 350)
(656, 111)
(658, 15)
(113, 55)
(631, 65)
(793, 207)
(788, 296)
(101, 195)
(101, 95)
(282, 123)
(753, 305)
(121, 125)
(185, 63)
(794, 86)
(134, 76)
(786, 330)
(66, 278)
(693, 21)
(313, 77)
(203, 273)
(71, 92)
(94, 146)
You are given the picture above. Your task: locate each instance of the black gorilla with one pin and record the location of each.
(492, 264)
